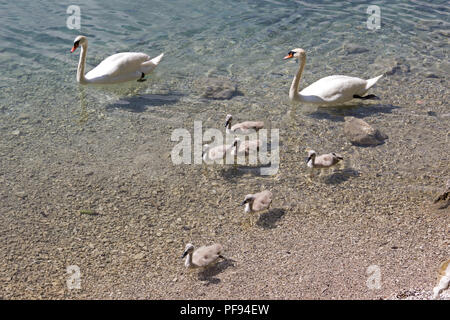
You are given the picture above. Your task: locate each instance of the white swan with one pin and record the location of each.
(119, 67)
(329, 90)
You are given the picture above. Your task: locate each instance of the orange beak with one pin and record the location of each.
(289, 56)
(74, 48)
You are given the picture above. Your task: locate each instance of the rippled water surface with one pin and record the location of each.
(65, 147)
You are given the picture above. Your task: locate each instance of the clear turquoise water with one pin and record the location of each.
(243, 38)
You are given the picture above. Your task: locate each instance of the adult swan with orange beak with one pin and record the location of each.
(330, 90)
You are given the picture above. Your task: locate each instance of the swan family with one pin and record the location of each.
(134, 66)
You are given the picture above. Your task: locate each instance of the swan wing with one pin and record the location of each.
(218, 152)
(119, 64)
(248, 125)
(324, 160)
(204, 256)
(334, 89)
(262, 201)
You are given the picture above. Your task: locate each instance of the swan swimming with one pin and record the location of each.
(329, 90)
(120, 67)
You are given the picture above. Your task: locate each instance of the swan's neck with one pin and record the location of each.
(237, 146)
(206, 152)
(80, 72)
(293, 92)
(228, 130)
(249, 207)
(188, 263)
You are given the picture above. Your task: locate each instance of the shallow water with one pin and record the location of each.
(60, 139)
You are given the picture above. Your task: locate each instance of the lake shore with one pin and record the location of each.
(94, 189)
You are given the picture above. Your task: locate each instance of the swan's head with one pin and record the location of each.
(228, 119)
(80, 40)
(248, 199)
(188, 249)
(296, 53)
(311, 155)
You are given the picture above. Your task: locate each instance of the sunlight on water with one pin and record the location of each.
(72, 147)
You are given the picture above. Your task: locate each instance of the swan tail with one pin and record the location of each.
(157, 59)
(372, 82)
(148, 66)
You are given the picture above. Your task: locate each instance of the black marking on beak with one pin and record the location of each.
(307, 160)
(76, 44)
(184, 254)
(290, 55)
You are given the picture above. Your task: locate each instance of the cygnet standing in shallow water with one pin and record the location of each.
(324, 161)
(246, 147)
(245, 127)
(217, 152)
(257, 202)
(202, 257)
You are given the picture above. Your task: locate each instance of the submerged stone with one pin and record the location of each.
(218, 88)
(359, 132)
(398, 66)
(351, 48)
